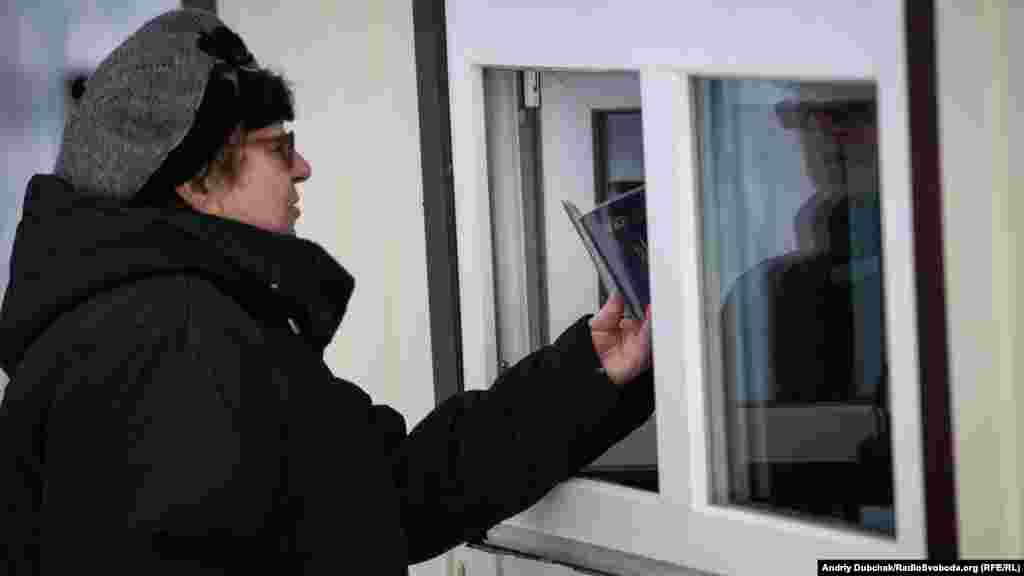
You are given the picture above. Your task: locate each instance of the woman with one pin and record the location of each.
(169, 409)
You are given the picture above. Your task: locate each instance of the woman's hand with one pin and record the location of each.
(624, 345)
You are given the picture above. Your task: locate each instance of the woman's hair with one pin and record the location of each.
(223, 169)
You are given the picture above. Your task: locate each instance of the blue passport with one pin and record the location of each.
(615, 235)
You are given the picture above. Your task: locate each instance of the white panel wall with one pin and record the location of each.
(353, 70)
(980, 82)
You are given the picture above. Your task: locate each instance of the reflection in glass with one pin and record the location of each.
(793, 281)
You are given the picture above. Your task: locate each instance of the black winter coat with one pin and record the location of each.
(169, 410)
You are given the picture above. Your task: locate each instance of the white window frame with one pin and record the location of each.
(846, 41)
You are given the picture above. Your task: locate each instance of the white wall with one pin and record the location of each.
(980, 81)
(353, 69)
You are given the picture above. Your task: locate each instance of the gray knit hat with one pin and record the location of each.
(141, 108)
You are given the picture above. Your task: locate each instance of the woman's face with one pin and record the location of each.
(264, 193)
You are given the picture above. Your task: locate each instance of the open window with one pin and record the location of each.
(554, 136)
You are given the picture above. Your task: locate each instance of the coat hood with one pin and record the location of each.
(68, 248)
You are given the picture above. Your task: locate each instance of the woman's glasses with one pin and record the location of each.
(282, 144)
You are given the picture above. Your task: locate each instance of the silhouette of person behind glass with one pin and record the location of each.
(817, 309)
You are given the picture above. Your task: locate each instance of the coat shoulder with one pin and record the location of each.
(159, 308)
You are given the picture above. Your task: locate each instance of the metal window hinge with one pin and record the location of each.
(531, 88)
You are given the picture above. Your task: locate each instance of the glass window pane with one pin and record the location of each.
(793, 281)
